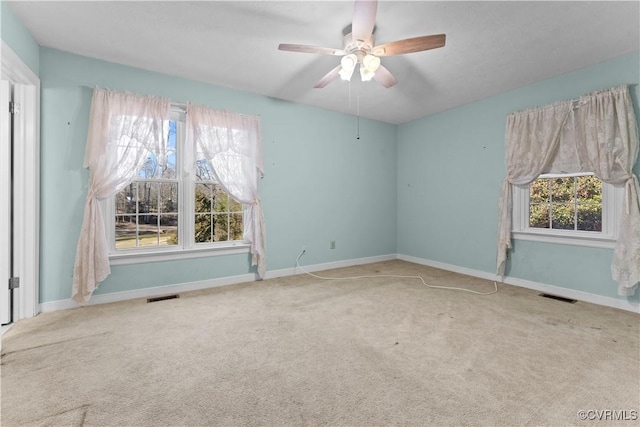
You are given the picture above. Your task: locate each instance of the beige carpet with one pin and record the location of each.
(300, 351)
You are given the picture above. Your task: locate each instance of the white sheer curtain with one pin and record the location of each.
(596, 133)
(231, 144)
(533, 139)
(123, 130)
(607, 144)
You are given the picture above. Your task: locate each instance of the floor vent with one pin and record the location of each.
(166, 297)
(563, 299)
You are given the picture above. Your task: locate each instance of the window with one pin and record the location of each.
(162, 215)
(576, 209)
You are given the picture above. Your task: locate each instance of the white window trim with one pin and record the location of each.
(612, 199)
(188, 249)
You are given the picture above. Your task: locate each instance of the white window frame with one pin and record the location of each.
(612, 199)
(187, 247)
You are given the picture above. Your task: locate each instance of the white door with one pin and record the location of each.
(5, 202)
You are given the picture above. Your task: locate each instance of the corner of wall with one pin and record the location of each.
(18, 38)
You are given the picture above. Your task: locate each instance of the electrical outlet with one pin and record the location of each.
(332, 244)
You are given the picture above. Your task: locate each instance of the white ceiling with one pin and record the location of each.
(491, 47)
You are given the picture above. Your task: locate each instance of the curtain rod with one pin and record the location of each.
(180, 107)
(576, 102)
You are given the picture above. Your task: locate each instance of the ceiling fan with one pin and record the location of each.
(359, 48)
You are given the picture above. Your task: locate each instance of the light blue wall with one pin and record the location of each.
(320, 183)
(450, 169)
(14, 34)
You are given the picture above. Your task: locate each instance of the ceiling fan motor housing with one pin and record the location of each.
(358, 47)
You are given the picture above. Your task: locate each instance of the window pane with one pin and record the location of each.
(589, 189)
(162, 164)
(148, 231)
(169, 197)
(204, 171)
(203, 228)
(562, 217)
(125, 231)
(147, 197)
(149, 169)
(539, 216)
(539, 191)
(126, 199)
(221, 200)
(169, 170)
(221, 227)
(590, 217)
(562, 190)
(235, 226)
(168, 230)
(234, 206)
(203, 198)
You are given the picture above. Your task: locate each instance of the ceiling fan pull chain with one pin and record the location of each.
(358, 117)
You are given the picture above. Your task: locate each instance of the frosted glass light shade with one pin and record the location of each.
(369, 66)
(348, 63)
(371, 63)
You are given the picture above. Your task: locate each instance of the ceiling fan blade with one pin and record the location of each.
(311, 49)
(328, 78)
(384, 77)
(415, 44)
(364, 19)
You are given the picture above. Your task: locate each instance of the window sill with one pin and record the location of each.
(575, 238)
(141, 257)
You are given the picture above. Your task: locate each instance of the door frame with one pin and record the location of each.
(5, 199)
(26, 202)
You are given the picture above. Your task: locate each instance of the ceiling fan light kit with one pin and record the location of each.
(359, 48)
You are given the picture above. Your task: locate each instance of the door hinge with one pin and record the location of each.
(14, 108)
(14, 282)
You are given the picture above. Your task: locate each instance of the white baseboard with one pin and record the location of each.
(147, 292)
(450, 267)
(542, 287)
(328, 266)
(204, 284)
(573, 294)
(3, 330)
